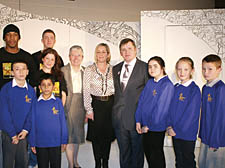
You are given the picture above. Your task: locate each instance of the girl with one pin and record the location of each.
(50, 64)
(152, 112)
(184, 114)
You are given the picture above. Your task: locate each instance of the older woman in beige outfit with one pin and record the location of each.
(74, 107)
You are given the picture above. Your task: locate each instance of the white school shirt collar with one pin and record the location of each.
(42, 98)
(159, 78)
(14, 83)
(186, 84)
(211, 84)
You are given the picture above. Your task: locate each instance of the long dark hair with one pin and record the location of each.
(160, 61)
(55, 71)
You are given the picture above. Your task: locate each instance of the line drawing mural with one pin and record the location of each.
(208, 25)
(112, 32)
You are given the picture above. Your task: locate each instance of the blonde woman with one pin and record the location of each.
(98, 102)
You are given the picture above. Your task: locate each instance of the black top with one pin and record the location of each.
(37, 59)
(6, 60)
(60, 85)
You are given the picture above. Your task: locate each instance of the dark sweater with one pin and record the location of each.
(6, 60)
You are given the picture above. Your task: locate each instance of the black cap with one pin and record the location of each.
(11, 28)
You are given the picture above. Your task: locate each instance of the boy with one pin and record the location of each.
(212, 127)
(49, 133)
(16, 99)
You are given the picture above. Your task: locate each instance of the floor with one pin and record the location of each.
(86, 159)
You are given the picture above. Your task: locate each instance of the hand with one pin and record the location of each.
(22, 135)
(90, 116)
(171, 132)
(15, 140)
(213, 149)
(138, 128)
(63, 147)
(33, 150)
(144, 129)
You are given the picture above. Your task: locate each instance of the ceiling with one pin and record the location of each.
(102, 10)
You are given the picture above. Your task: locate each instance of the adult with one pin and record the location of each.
(10, 53)
(48, 40)
(74, 107)
(130, 77)
(98, 102)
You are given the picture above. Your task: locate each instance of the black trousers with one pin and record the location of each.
(184, 153)
(14, 155)
(46, 156)
(153, 148)
(101, 149)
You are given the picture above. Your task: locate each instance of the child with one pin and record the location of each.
(152, 112)
(16, 97)
(51, 65)
(49, 130)
(184, 114)
(212, 127)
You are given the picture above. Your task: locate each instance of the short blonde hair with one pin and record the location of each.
(107, 50)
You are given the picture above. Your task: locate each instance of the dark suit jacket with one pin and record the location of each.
(125, 102)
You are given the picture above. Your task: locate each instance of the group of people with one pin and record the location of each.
(45, 104)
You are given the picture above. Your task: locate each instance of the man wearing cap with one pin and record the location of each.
(12, 52)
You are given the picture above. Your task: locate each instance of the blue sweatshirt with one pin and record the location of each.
(153, 104)
(49, 128)
(15, 113)
(212, 123)
(185, 111)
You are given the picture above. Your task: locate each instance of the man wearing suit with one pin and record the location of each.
(130, 77)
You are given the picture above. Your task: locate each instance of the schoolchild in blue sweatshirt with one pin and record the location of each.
(16, 99)
(184, 114)
(212, 123)
(152, 112)
(49, 134)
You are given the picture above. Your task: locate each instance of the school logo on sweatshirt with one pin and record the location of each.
(209, 98)
(55, 111)
(27, 99)
(154, 92)
(181, 97)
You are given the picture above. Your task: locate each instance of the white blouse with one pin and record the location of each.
(96, 83)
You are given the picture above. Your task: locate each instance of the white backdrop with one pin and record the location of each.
(69, 32)
(174, 34)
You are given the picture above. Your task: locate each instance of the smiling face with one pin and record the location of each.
(48, 61)
(48, 40)
(11, 39)
(101, 54)
(128, 51)
(155, 70)
(209, 71)
(20, 71)
(76, 57)
(184, 71)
